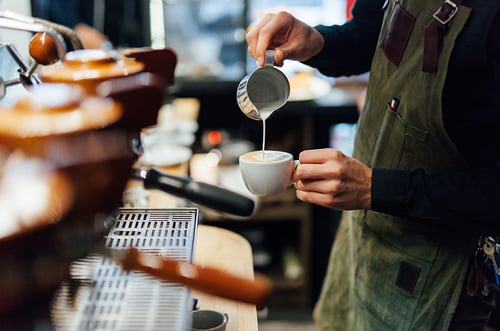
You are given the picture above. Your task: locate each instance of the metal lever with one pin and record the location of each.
(206, 279)
(11, 20)
(14, 21)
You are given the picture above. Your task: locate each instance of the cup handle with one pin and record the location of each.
(223, 326)
(295, 164)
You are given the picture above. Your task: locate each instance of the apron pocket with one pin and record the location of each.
(398, 143)
(389, 277)
(398, 34)
(389, 142)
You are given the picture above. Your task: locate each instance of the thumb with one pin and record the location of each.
(280, 54)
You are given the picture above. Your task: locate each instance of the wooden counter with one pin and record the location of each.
(228, 251)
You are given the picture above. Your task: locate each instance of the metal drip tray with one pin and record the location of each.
(110, 298)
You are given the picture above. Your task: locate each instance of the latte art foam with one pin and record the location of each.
(267, 156)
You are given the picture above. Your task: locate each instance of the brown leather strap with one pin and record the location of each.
(434, 32)
(475, 278)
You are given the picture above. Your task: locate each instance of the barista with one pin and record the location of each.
(423, 182)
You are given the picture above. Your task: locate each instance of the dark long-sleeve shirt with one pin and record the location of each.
(471, 115)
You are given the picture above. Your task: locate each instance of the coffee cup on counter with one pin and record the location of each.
(267, 172)
(209, 320)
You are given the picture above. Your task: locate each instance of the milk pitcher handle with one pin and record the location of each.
(269, 57)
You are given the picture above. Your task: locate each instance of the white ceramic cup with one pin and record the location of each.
(209, 320)
(268, 172)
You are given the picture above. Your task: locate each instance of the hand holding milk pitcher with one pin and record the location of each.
(259, 94)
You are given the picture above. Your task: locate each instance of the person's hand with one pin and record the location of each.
(329, 178)
(90, 37)
(289, 37)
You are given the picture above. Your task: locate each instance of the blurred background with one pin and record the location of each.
(290, 240)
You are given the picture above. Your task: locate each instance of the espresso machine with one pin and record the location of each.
(72, 256)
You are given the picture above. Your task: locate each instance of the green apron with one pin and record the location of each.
(372, 250)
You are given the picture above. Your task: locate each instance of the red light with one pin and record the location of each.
(214, 137)
(349, 5)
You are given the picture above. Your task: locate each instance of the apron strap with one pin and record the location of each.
(434, 32)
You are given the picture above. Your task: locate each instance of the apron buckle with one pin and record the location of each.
(446, 12)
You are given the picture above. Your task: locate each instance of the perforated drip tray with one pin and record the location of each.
(109, 298)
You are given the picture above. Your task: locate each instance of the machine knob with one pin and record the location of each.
(43, 49)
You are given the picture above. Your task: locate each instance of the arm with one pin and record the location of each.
(335, 50)
(453, 198)
(348, 48)
(329, 178)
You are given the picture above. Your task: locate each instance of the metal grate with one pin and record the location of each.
(109, 298)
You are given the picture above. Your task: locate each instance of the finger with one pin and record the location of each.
(254, 38)
(315, 198)
(262, 46)
(313, 171)
(279, 56)
(274, 35)
(320, 155)
(329, 186)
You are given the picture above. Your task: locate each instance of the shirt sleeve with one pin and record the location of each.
(449, 198)
(349, 48)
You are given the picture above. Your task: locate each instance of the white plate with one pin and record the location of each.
(156, 135)
(165, 155)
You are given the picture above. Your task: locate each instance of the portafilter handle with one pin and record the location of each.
(211, 196)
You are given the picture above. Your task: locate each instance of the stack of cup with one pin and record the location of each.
(167, 145)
